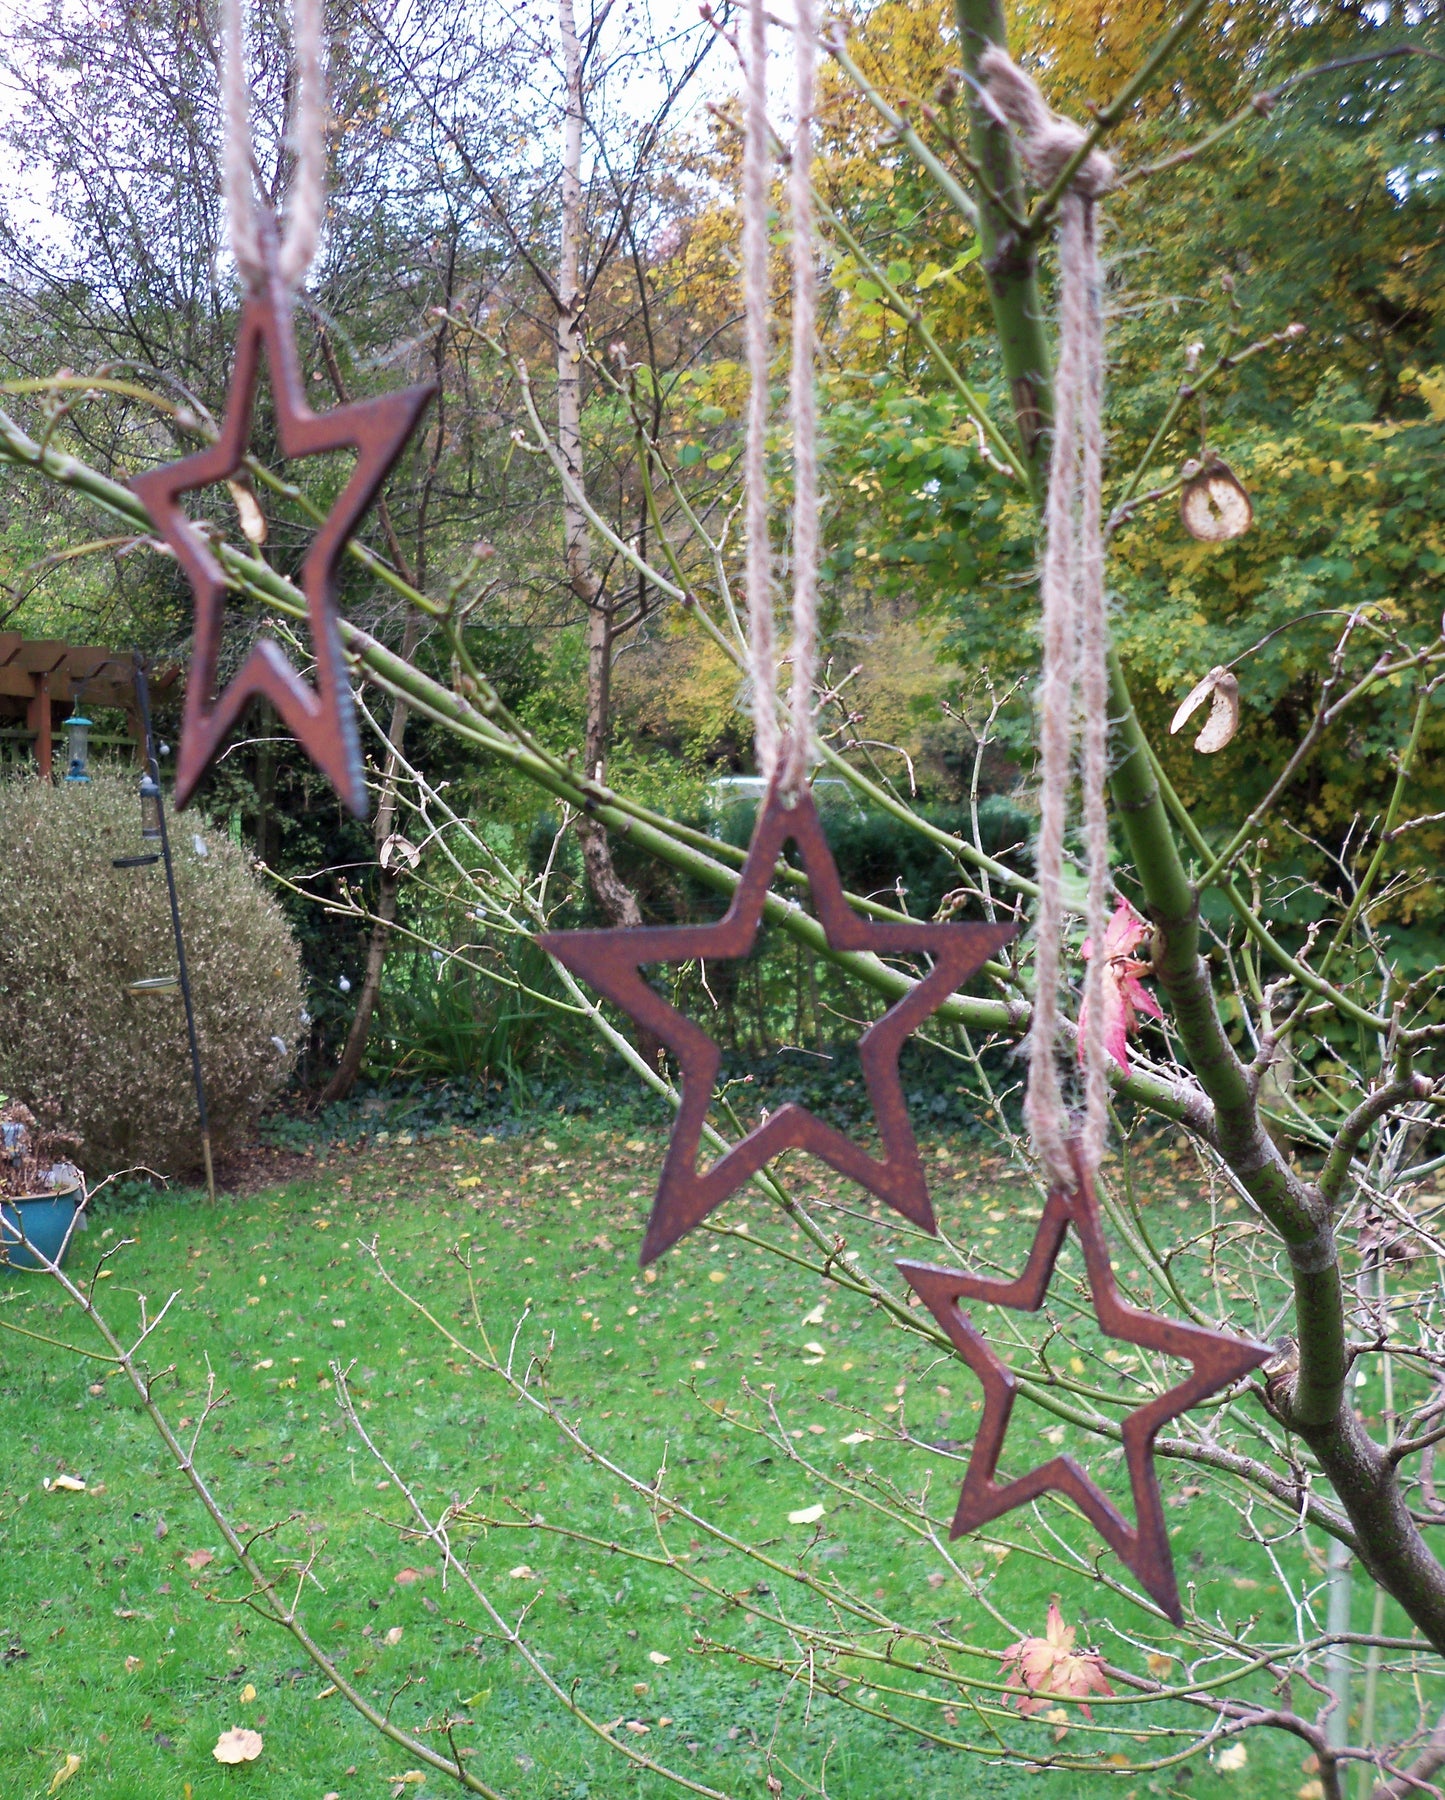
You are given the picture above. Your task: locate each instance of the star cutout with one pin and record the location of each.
(321, 718)
(1217, 1359)
(612, 961)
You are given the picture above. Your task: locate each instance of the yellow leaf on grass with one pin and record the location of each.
(65, 1484)
(521, 1573)
(806, 1515)
(656, 1656)
(238, 1746)
(63, 1774)
(1235, 1756)
(248, 1694)
(1159, 1664)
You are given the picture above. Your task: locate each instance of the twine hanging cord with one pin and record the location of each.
(248, 216)
(784, 755)
(1075, 625)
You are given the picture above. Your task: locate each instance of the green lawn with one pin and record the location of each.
(121, 1643)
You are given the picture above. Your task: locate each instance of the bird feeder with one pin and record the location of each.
(77, 731)
(150, 808)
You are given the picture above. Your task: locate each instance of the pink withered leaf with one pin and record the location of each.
(1048, 1668)
(1125, 996)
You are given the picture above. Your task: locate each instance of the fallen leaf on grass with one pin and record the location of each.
(238, 1746)
(806, 1515)
(858, 1437)
(393, 1636)
(196, 1560)
(64, 1484)
(656, 1656)
(637, 1726)
(132, 1663)
(248, 1694)
(816, 1316)
(1235, 1757)
(1160, 1665)
(522, 1573)
(63, 1774)
(405, 1577)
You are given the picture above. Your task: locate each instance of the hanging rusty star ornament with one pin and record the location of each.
(612, 963)
(1216, 1357)
(321, 718)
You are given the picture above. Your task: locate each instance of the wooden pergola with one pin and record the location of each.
(42, 680)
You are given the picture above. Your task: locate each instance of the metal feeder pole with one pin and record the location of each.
(143, 697)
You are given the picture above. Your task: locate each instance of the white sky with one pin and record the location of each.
(28, 198)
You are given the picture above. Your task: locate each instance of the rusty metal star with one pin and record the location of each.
(321, 717)
(1216, 1358)
(612, 961)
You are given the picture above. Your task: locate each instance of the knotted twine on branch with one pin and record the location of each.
(1075, 626)
(246, 213)
(788, 756)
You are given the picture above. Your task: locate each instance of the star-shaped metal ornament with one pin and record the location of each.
(321, 717)
(1216, 1357)
(612, 963)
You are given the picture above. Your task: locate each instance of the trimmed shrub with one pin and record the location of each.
(75, 933)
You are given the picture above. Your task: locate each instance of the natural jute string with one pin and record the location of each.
(1075, 625)
(788, 756)
(245, 210)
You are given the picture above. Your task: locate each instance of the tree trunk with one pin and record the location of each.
(344, 1077)
(1308, 1391)
(617, 901)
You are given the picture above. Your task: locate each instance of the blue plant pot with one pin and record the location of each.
(41, 1220)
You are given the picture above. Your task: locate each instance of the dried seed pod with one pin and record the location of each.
(248, 509)
(397, 850)
(1213, 503)
(1222, 690)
